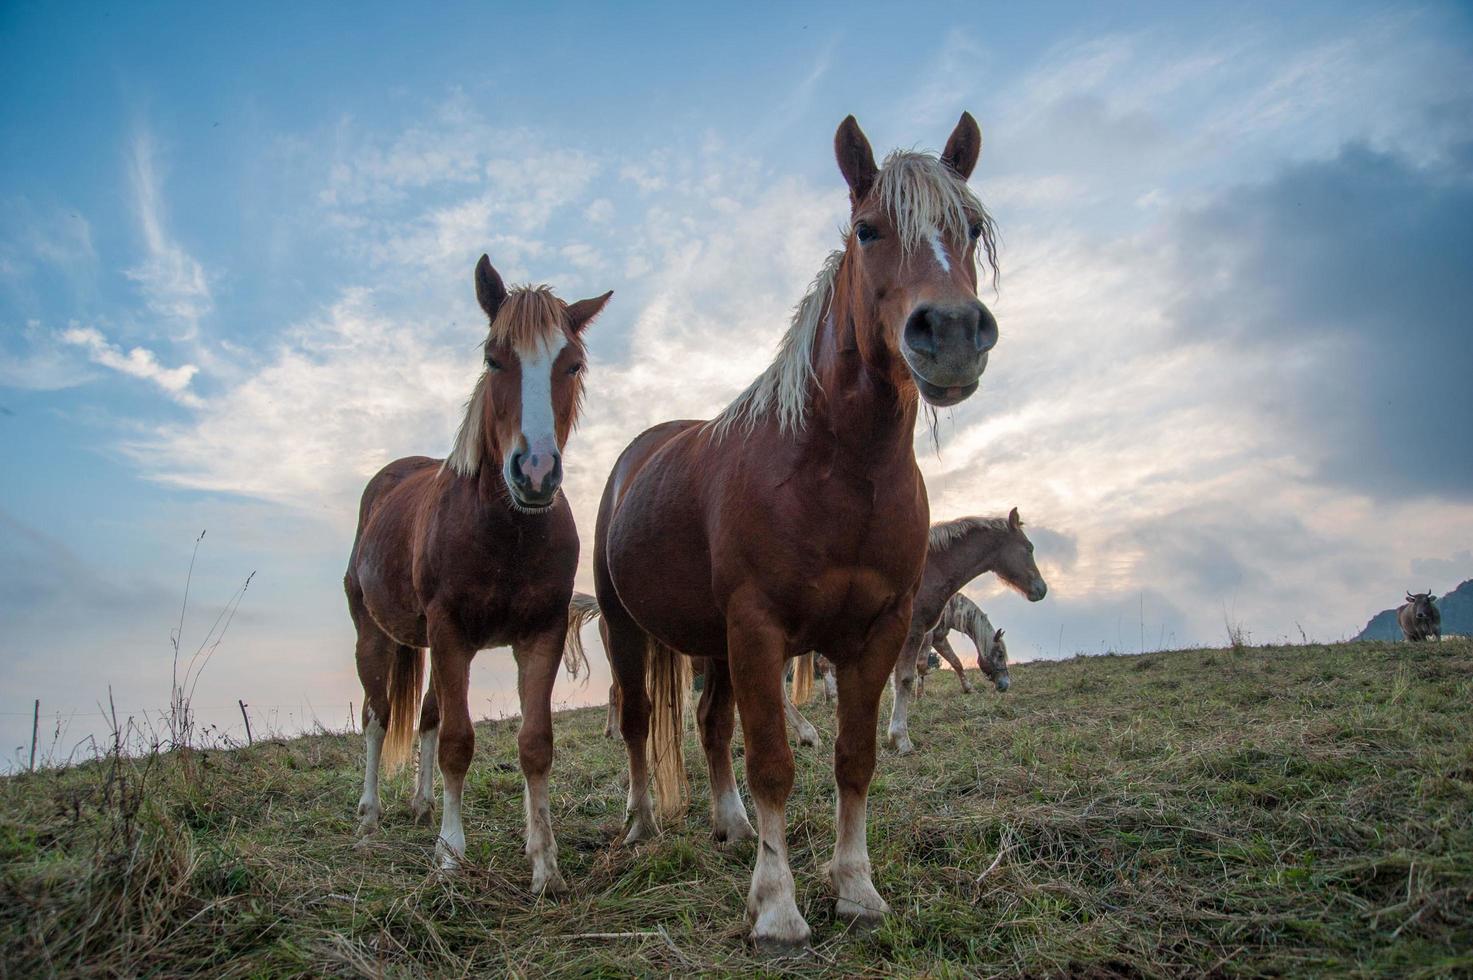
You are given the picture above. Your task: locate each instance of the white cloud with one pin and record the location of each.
(136, 362)
(173, 282)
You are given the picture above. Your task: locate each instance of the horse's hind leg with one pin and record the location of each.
(611, 723)
(537, 663)
(826, 669)
(627, 645)
(375, 657)
(716, 715)
(423, 801)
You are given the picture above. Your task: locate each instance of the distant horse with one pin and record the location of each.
(796, 520)
(474, 551)
(964, 616)
(960, 551)
(1419, 617)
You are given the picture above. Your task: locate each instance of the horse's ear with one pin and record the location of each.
(856, 160)
(490, 290)
(964, 146)
(998, 636)
(1014, 521)
(581, 313)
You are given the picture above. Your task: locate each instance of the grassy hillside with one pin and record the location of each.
(1293, 810)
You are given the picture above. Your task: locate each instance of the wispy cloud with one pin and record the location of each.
(173, 282)
(136, 362)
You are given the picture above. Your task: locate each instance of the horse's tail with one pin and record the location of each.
(406, 678)
(667, 678)
(803, 679)
(582, 610)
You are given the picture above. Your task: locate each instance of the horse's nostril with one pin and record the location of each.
(986, 336)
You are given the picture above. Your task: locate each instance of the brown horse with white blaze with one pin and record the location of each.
(474, 551)
(796, 520)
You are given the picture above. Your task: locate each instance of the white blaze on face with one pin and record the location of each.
(938, 248)
(539, 422)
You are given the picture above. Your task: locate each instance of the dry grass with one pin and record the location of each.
(1299, 810)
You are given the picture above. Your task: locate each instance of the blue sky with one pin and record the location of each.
(235, 278)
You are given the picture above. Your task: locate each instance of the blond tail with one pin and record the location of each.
(667, 678)
(582, 610)
(802, 679)
(406, 678)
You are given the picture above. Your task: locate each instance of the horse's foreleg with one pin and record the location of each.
(756, 651)
(537, 664)
(716, 716)
(861, 681)
(423, 800)
(943, 647)
(450, 657)
(905, 679)
(826, 669)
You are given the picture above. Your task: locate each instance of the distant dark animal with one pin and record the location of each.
(474, 551)
(1419, 618)
(796, 520)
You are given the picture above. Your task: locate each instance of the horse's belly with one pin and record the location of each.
(660, 566)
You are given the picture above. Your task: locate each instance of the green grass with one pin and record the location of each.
(1285, 810)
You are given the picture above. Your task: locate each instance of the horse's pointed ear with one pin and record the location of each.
(581, 313)
(856, 160)
(964, 146)
(490, 290)
(1014, 521)
(998, 636)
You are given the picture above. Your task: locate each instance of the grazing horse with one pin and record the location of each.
(796, 520)
(474, 551)
(964, 616)
(1419, 617)
(960, 551)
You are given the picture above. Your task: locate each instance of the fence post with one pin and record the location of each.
(249, 739)
(35, 726)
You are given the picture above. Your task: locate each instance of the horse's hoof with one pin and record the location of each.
(422, 810)
(368, 826)
(808, 741)
(552, 885)
(447, 860)
(860, 918)
(735, 834)
(363, 844)
(639, 830)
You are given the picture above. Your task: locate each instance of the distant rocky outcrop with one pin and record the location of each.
(1457, 616)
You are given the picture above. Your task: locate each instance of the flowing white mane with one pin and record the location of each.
(923, 197)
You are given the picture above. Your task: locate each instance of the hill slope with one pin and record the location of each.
(1457, 617)
(1279, 810)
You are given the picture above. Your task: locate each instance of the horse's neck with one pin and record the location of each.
(963, 558)
(856, 403)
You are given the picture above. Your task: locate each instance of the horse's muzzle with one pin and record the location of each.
(534, 477)
(945, 348)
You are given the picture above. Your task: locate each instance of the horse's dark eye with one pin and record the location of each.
(865, 232)
(575, 368)
(976, 230)
(493, 363)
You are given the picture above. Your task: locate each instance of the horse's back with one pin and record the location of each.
(388, 478)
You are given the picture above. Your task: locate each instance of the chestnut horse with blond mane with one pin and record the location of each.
(474, 551)
(796, 520)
